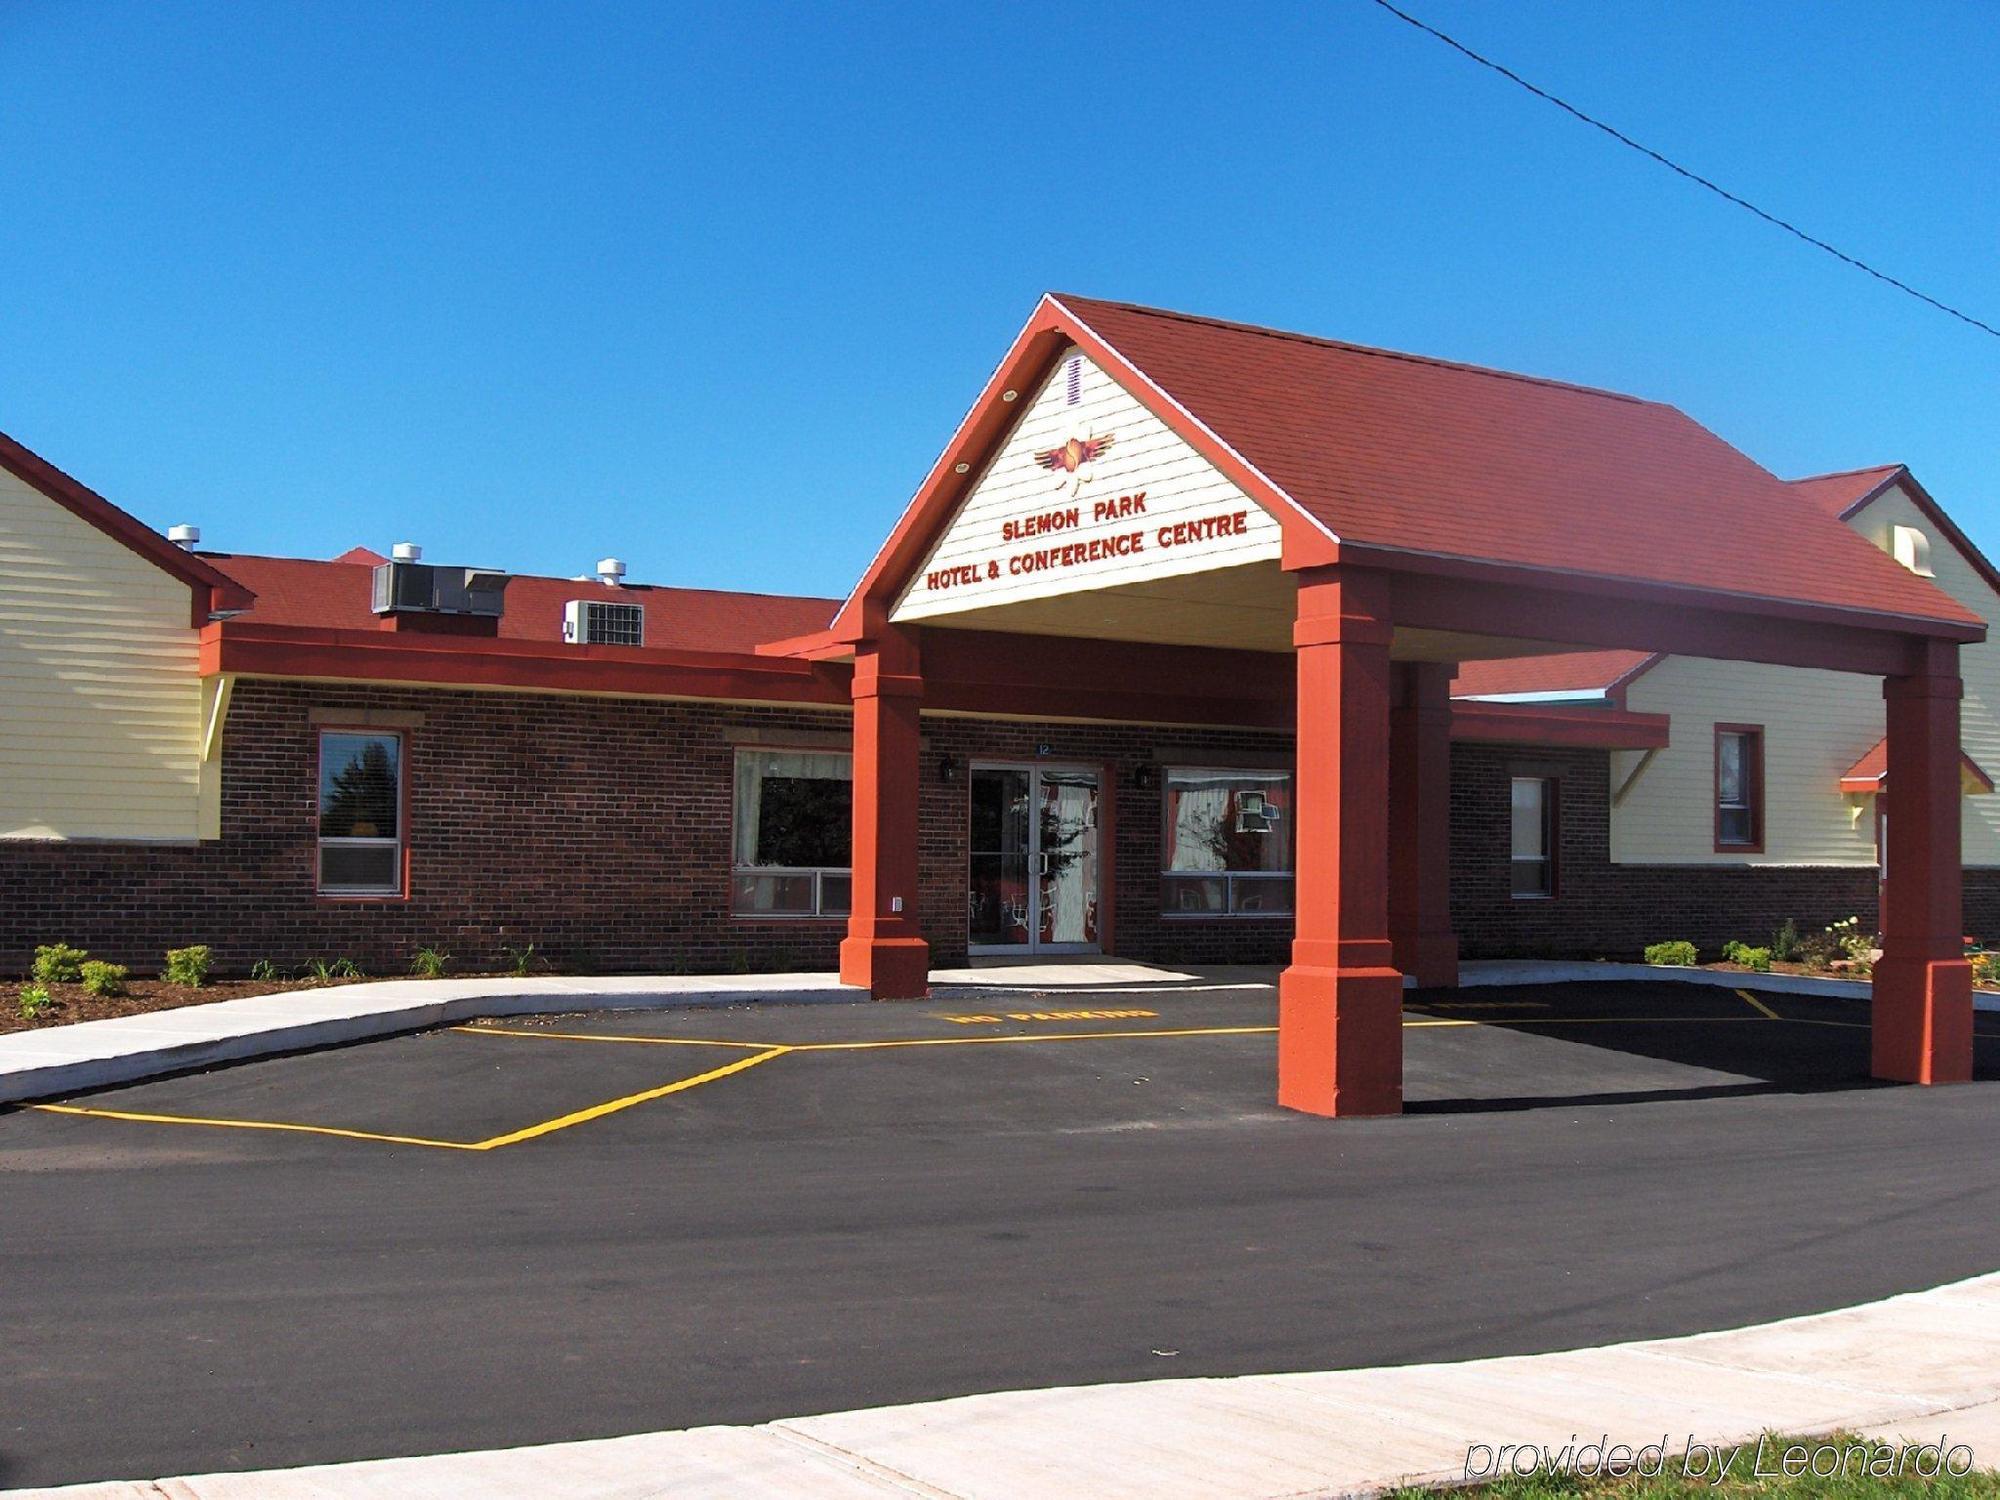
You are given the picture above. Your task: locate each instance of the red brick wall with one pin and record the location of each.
(598, 829)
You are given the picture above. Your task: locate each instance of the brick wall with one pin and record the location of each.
(598, 829)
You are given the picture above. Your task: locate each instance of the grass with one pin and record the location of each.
(1775, 1465)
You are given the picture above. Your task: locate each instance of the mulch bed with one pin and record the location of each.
(75, 1003)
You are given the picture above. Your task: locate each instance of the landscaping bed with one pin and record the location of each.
(71, 1002)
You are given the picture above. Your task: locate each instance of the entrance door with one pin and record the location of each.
(1034, 882)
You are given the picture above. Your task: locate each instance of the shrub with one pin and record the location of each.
(188, 967)
(430, 963)
(101, 978)
(58, 963)
(36, 1002)
(520, 960)
(1758, 959)
(1675, 954)
(1818, 950)
(334, 968)
(265, 971)
(1986, 969)
(1785, 942)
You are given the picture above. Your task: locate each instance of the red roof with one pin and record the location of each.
(1837, 494)
(1572, 672)
(336, 596)
(1415, 455)
(1871, 773)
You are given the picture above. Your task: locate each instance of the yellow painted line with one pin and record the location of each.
(612, 1107)
(1050, 1036)
(351, 1135)
(600, 1036)
(492, 1143)
(1762, 1009)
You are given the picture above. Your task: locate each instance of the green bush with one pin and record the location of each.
(1785, 942)
(101, 978)
(430, 963)
(264, 971)
(333, 968)
(1758, 959)
(36, 1002)
(520, 960)
(1676, 954)
(188, 967)
(58, 963)
(1986, 969)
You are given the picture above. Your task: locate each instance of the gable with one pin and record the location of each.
(1089, 490)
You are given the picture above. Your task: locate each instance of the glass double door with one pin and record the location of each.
(1034, 876)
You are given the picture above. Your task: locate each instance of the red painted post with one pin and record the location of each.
(1340, 1004)
(1420, 824)
(1922, 1014)
(884, 948)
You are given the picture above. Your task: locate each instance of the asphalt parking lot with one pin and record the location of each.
(577, 1226)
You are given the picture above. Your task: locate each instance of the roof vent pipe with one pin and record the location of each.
(407, 552)
(187, 538)
(610, 570)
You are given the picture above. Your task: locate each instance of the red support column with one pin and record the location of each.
(1340, 1004)
(1420, 824)
(1922, 1016)
(884, 948)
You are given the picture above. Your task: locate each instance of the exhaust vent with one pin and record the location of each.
(610, 570)
(187, 538)
(596, 622)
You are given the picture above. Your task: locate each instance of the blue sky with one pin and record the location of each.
(708, 287)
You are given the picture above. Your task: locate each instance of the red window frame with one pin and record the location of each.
(1753, 788)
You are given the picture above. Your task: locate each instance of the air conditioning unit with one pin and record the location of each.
(597, 622)
(425, 588)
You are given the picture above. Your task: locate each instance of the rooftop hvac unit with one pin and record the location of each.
(425, 588)
(596, 622)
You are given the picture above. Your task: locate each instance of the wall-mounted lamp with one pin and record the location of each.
(947, 769)
(1146, 777)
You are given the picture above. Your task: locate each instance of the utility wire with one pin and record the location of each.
(1676, 167)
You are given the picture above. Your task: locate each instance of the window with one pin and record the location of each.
(1739, 788)
(1534, 838)
(794, 832)
(1228, 845)
(360, 813)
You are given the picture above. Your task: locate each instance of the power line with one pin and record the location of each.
(1675, 167)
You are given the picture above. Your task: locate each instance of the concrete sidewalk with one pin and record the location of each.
(60, 1060)
(1921, 1367)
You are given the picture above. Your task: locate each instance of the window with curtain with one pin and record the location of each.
(1534, 847)
(794, 831)
(1228, 843)
(360, 813)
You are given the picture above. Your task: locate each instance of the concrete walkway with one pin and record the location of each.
(1921, 1367)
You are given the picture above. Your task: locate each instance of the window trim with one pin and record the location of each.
(1753, 778)
(1551, 836)
(818, 872)
(1228, 913)
(403, 737)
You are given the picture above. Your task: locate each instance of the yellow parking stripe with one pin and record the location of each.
(1762, 1009)
(492, 1143)
(598, 1036)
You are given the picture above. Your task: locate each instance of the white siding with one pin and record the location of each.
(1144, 457)
(100, 701)
(1816, 725)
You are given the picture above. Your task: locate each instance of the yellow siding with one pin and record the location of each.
(100, 701)
(1816, 725)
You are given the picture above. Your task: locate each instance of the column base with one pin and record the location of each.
(1430, 958)
(891, 968)
(1340, 1041)
(1921, 1020)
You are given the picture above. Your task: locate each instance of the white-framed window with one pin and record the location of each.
(794, 833)
(1227, 843)
(1534, 837)
(360, 813)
